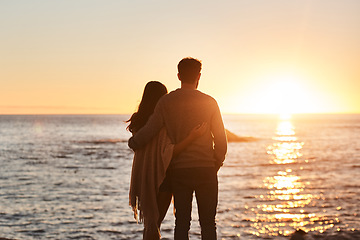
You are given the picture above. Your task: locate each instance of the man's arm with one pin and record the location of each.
(220, 142)
(147, 132)
(195, 133)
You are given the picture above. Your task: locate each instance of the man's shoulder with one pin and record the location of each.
(206, 96)
(183, 92)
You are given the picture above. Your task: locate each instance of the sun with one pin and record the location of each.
(283, 94)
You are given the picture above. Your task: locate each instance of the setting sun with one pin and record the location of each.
(282, 94)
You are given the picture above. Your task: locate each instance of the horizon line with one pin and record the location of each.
(225, 113)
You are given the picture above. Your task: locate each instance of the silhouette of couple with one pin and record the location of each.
(179, 143)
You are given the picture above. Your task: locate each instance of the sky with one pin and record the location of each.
(259, 56)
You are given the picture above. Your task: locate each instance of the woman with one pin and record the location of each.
(150, 165)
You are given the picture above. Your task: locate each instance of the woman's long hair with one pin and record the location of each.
(153, 91)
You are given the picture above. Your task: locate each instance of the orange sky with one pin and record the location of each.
(80, 57)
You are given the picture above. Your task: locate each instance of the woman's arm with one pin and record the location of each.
(195, 133)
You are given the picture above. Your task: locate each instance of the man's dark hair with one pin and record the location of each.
(189, 68)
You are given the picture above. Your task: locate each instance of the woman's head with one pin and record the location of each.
(153, 91)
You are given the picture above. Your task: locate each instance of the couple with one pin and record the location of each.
(180, 143)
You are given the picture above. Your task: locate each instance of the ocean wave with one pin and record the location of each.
(340, 234)
(298, 235)
(102, 141)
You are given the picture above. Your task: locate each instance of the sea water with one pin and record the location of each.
(67, 177)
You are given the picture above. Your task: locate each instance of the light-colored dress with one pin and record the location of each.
(148, 172)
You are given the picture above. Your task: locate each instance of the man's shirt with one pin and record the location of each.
(179, 112)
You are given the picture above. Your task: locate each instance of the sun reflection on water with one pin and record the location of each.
(286, 205)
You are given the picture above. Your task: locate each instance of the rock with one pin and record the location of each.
(298, 235)
(232, 137)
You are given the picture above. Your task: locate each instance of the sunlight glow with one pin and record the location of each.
(276, 93)
(284, 208)
(285, 94)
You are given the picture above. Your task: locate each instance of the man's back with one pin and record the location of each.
(184, 109)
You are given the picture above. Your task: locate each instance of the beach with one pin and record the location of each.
(67, 177)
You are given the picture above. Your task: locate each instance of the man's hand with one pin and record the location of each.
(131, 143)
(198, 130)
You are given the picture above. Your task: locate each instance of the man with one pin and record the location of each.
(195, 168)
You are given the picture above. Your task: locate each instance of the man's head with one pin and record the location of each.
(189, 70)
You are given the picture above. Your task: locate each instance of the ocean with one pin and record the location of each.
(67, 177)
